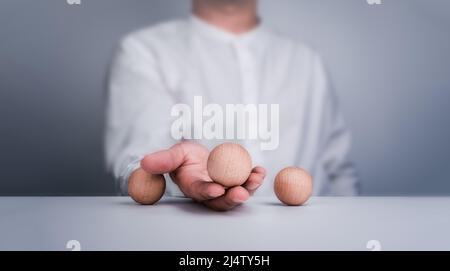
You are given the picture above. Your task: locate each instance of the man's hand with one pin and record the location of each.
(186, 164)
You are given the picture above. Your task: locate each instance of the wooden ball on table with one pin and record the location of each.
(145, 188)
(229, 164)
(293, 186)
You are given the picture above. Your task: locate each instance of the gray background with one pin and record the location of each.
(390, 65)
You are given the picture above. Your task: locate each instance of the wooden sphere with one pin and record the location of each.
(145, 188)
(293, 186)
(229, 164)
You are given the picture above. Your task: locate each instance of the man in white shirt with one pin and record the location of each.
(224, 55)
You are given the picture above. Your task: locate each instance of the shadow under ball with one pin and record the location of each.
(293, 186)
(229, 164)
(145, 188)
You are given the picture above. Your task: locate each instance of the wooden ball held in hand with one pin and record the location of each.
(229, 164)
(145, 188)
(293, 186)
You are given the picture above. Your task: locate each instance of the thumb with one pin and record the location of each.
(164, 161)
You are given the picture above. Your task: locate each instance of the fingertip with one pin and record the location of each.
(252, 185)
(164, 161)
(215, 190)
(254, 181)
(203, 190)
(256, 177)
(154, 165)
(259, 170)
(232, 198)
(238, 194)
(145, 163)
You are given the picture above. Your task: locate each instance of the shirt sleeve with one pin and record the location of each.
(137, 112)
(333, 155)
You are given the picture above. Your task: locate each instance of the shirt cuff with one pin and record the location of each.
(135, 164)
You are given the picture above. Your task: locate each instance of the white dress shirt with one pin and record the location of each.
(170, 63)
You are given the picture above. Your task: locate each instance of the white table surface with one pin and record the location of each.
(325, 223)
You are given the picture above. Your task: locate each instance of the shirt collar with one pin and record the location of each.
(213, 31)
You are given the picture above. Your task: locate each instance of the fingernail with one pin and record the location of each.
(252, 186)
(238, 201)
(215, 194)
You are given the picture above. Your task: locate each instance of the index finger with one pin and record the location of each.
(164, 161)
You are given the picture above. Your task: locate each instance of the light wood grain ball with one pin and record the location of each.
(229, 164)
(293, 186)
(145, 188)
